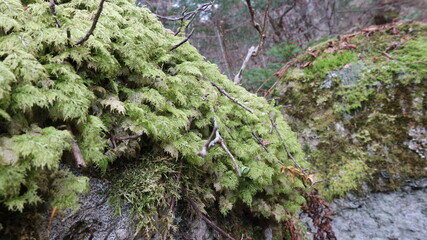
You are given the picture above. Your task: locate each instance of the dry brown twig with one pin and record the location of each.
(218, 139)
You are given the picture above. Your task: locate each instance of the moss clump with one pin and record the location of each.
(360, 107)
(122, 81)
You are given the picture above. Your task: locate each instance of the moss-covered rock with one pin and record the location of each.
(359, 104)
(58, 97)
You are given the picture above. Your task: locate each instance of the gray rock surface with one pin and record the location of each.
(95, 219)
(400, 215)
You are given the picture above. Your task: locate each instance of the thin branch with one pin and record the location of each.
(251, 51)
(260, 30)
(205, 148)
(218, 139)
(254, 50)
(264, 82)
(183, 41)
(236, 166)
(78, 155)
(231, 97)
(52, 10)
(388, 55)
(127, 137)
(260, 141)
(286, 147)
(95, 21)
(52, 7)
(187, 15)
(52, 215)
(68, 36)
(209, 222)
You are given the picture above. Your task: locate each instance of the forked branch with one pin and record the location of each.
(218, 139)
(183, 41)
(254, 50)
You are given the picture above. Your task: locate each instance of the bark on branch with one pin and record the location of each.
(183, 41)
(95, 21)
(231, 97)
(114, 138)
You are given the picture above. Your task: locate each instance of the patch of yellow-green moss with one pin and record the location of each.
(357, 110)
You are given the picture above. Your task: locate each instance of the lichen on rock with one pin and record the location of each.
(359, 104)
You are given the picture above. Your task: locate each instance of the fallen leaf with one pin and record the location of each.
(306, 64)
(314, 53)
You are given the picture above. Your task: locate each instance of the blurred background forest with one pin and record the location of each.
(224, 32)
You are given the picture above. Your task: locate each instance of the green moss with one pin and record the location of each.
(328, 62)
(354, 112)
(124, 81)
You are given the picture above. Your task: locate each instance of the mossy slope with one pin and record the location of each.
(124, 80)
(359, 105)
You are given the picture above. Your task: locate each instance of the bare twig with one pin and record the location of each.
(183, 41)
(52, 215)
(231, 97)
(209, 222)
(218, 139)
(52, 10)
(251, 51)
(68, 36)
(127, 137)
(388, 55)
(205, 148)
(236, 166)
(260, 142)
(189, 16)
(264, 82)
(260, 30)
(52, 7)
(286, 147)
(254, 50)
(78, 155)
(95, 21)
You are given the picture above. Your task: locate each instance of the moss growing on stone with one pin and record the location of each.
(124, 80)
(360, 107)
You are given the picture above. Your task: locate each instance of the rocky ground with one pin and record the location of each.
(400, 215)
